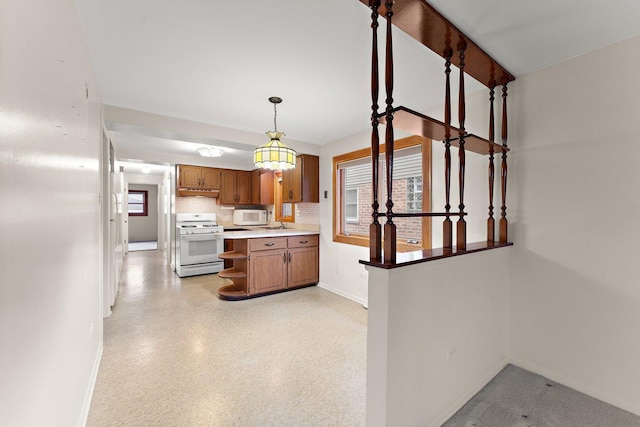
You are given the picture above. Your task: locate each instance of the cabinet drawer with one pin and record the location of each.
(302, 241)
(267, 243)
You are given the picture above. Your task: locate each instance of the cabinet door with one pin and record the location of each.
(243, 187)
(302, 183)
(310, 179)
(228, 187)
(262, 183)
(189, 176)
(255, 187)
(303, 266)
(267, 271)
(291, 183)
(211, 178)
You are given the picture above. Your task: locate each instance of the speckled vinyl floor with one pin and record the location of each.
(176, 355)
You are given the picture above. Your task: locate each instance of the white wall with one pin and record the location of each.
(340, 271)
(50, 249)
(575, 299)
(437, 333)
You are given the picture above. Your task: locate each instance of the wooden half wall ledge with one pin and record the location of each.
(417, 257)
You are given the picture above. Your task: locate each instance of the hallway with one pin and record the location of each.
(176, 355)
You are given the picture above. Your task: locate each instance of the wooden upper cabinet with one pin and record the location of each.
(235, 187)
(291, 184)
(243, 187)
(262, 183)
(228, 187)
(198, 178)
(302, 184)
(189, 176)
(211, 178)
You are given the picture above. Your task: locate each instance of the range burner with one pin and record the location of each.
(197, 223)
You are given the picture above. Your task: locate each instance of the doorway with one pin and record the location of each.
(142, 201)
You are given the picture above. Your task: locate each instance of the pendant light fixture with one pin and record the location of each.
(274, 154)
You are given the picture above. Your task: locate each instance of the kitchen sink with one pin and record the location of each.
(273, 227)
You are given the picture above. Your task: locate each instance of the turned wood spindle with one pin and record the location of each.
(491, 222)
(461, 230)
(375, 229)
(389, 227)
(503, 215)
(447, 225)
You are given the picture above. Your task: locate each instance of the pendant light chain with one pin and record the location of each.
(275, 114)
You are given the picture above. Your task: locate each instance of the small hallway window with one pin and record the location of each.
(137, 203)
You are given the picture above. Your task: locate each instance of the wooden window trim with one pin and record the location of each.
(278, 201)
(145, 204)
(361, 239)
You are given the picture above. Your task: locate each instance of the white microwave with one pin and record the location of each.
(249, 217)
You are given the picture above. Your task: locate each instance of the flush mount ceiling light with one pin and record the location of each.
(210, 151)
(274, 154)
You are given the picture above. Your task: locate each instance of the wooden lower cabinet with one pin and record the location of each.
(267, 271)
(266, 265)
(303, 260)
(302, 267)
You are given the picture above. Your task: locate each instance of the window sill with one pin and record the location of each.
(417, 257)
(360, 240)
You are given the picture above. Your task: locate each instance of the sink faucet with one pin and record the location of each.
(282, 225)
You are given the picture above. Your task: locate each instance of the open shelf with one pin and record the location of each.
(232, 273)
(233, 292)
(419, 124)
(232, 255)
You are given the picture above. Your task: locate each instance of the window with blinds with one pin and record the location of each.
(354, 194)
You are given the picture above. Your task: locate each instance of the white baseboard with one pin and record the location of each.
(578, 385)
(455, 406)
(92, 385)
(343, 294)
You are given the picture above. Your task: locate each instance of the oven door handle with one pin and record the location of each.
(196, 237)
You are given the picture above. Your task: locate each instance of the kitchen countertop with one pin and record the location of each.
(257, 233)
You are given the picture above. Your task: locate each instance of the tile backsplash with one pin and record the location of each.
(224, 214)
(306, 213)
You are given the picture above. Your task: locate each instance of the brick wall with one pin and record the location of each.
(408, 228)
